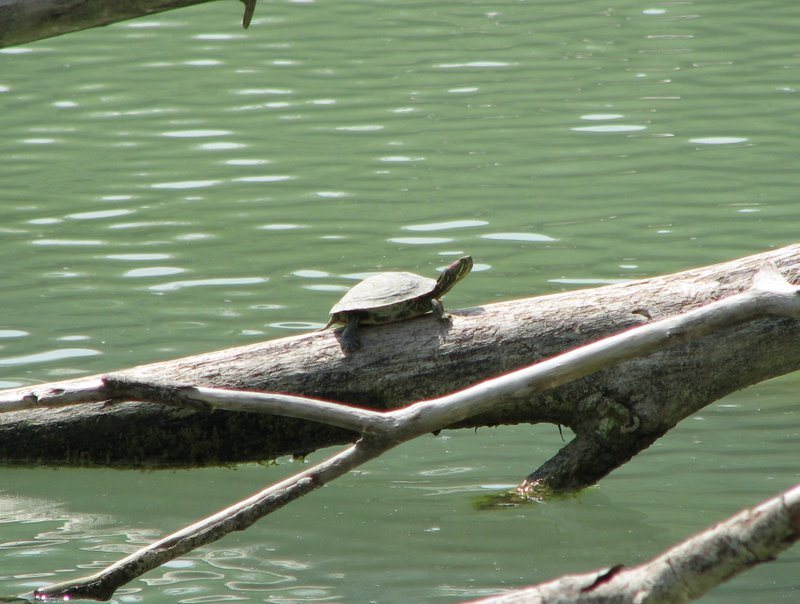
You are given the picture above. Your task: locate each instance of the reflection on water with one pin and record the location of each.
(49, 355)
(77, 538)
(174, 185)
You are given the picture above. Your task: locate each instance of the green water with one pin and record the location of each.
(174, 185)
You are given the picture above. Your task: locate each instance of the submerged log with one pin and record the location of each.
(418, 359)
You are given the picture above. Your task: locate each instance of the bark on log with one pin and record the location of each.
(23, 21)
(419, 359)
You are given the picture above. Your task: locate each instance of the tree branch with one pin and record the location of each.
(103, 584)
(686, 571)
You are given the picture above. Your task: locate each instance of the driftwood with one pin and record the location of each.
(771, 296)
(23, 21)
(684, 572)
(421, 359)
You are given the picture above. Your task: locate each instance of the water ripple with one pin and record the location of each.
(446, 471)
(609, 128)
(246, 162)
(181, 576)
(154, 271)
(213, 598)
(146, 225)
(185, 184)
(39, 141)
(32, 546)
(195, 133)
(176, 285)
(13, 333)
(593, 117)
(326, 287)
(444, 226)
(532, 237)
(138, 257)
(220, 146)
(265, 178)
(307, 273)
(718, 140)
(361, 128)
(296, 325)
(401, 158)
(99, 214)
(265, 585)
(49, 355)
(68, 242)
(216, 37)
(420, 240)
(203, 62)
(262, 91)
(281, 227)
(474, 65)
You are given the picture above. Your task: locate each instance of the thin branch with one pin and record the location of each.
(103, 584)
(335, 414)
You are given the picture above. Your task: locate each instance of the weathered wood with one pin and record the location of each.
(23, 21)
(684, 572)
(419, 359)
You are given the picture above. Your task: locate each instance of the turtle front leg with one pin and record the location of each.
(438, 310)
(350, 340)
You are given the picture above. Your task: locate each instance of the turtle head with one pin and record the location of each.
(451, 275)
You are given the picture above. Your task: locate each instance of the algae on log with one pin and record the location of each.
(418, 359)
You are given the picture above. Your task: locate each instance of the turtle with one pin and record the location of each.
(390, 297)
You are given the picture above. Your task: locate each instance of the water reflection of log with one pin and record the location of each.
(421, 359)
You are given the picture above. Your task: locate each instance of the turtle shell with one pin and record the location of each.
(385, 294)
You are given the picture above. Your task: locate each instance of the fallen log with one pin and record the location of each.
(770, 296)
(24, 21)
(617, 411)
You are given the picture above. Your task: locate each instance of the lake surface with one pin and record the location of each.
(174, 185)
